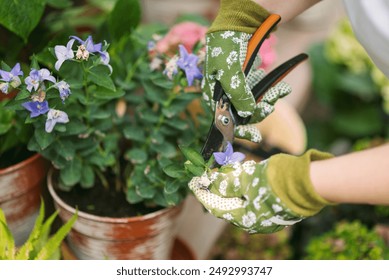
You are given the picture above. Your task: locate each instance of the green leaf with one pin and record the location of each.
(43, 138)
(28, 247)
(65, 148)
(174, 170)
(71, 174)
(136, 156)
(166, 149)
(172, 186)
(172, 199)
(131, 195)
(195, 170)
(53, 244)
(134, 133)
(193, 156)
(178, 124)
(124, 17)
(100, 76)
(21, 17)
(75, 127)
(104, 93)
(87, 176)
(7, 244)
(23, 94)
(146, 191)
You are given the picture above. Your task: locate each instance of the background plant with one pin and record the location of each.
(41, 243)
(349, 113)
(347, 241)
(351, 94)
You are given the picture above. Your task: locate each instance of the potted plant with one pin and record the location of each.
(110, 124)
(152, 119)
(25, 29)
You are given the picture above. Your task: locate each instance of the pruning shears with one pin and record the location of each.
(226, 117)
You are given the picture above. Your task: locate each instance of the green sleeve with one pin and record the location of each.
(289, 179)
(239, 15)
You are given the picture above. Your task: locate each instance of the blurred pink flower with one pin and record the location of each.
(185, 33)
(267, 52)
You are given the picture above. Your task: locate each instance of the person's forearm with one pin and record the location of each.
(360, 177)
(286, 9)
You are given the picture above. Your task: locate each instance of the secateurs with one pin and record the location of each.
(226, 118)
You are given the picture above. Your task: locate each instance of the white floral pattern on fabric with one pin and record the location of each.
(240, 194)
(216, 51)
(224, 57)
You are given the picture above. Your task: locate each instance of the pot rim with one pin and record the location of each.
(19, 165)
(113, 220)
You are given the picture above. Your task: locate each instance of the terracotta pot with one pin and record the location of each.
(143, 237)
(20, 194)
(181, 251)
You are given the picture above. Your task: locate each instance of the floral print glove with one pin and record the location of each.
(261, 197)
(226, 47)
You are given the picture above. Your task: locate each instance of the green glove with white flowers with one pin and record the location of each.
(226, 47)
(261, 197)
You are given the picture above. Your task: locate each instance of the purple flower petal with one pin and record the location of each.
(63, 53)
(228, 156)
(12, 75)
(220, 158)
(54, 117)
(237, 157)
(188, 63)
(36, 108)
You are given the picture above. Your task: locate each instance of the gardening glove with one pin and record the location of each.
(261, 197)
(226, 48)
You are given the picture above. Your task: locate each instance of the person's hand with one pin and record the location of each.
(261, 197)
(226, 47)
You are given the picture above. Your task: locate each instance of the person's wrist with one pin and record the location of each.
(239, 15)
(289, 178)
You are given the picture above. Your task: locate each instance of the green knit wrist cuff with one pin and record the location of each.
(289, 178)
(239, 15)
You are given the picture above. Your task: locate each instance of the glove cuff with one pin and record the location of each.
(289, 178)
(239, 15)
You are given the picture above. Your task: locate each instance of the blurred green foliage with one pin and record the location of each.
(347, 241)
(350, 93)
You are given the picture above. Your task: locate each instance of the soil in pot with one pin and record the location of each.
(14, 156)
(104, 202)
(142, 233)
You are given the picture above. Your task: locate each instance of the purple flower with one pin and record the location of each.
(11, 78)
(104, 56)
(54, 117)
(64, 89)
(228, 157)
(36, 77)
(188, 63)
(88, 44)
(36, 108)
(63, 53)
(87, 47)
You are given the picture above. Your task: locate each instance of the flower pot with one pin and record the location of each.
(20, 194)
(150, 236)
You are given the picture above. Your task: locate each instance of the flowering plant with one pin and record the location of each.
(165, 111)
(67, 109)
